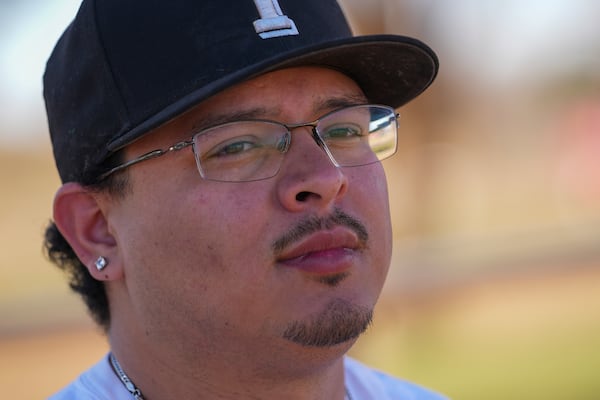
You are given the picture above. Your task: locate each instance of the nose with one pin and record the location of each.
(308, 179)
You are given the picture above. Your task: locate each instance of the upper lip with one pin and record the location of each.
(335, 238)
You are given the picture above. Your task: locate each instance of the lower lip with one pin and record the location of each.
(325, 262)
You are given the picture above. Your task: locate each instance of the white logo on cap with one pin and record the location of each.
(272, 22)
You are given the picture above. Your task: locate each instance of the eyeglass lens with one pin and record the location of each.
(253, 150)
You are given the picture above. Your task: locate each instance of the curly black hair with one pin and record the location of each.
(60, 252)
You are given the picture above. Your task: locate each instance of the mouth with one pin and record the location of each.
(325, 252)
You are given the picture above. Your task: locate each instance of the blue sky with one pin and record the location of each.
(28, 31)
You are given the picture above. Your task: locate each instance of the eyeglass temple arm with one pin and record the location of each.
(147, 156)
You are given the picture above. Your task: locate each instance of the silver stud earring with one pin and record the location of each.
(101, 263)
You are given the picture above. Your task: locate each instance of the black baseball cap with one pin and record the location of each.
(124, 67)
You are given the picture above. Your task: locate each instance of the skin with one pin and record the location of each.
(200, 301)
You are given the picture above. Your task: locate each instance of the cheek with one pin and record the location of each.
(370, 189)
(196, 257)
(199, 237)
(185, 231)
(369, 197)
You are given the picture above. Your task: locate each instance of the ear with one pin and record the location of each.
(80, 219)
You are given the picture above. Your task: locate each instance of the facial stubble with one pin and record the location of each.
(339, 322)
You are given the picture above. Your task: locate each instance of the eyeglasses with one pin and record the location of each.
(252, 150)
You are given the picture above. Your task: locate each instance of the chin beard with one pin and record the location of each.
(340, 322)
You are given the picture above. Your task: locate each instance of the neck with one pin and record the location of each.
(166, 377)
(201, 362)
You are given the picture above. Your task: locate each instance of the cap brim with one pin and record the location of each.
(390, 69)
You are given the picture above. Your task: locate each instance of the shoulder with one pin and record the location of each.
(367, 383)
(97, 383)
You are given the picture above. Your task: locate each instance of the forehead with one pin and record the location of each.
(291, 95)
(279, 93)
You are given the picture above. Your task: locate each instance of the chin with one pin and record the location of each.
(340, 323)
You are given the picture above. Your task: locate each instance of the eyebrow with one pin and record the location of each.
(217, 119)
(334, 103)
(323, 106)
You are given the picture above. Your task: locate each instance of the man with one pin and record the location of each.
(223, 213)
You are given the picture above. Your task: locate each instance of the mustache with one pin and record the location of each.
(314, 224)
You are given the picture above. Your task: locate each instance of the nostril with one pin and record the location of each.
(302, 196)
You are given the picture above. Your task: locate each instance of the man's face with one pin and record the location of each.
(256, 269)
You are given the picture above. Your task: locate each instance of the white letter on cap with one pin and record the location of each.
(272, 22)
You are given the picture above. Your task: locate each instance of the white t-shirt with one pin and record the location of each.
(365, 383)
(362, 382)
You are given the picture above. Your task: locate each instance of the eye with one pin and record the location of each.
(233, 147)
(343, 131)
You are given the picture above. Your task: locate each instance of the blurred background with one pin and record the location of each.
(494, 291)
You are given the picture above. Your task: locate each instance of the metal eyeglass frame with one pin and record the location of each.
(190, 142)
